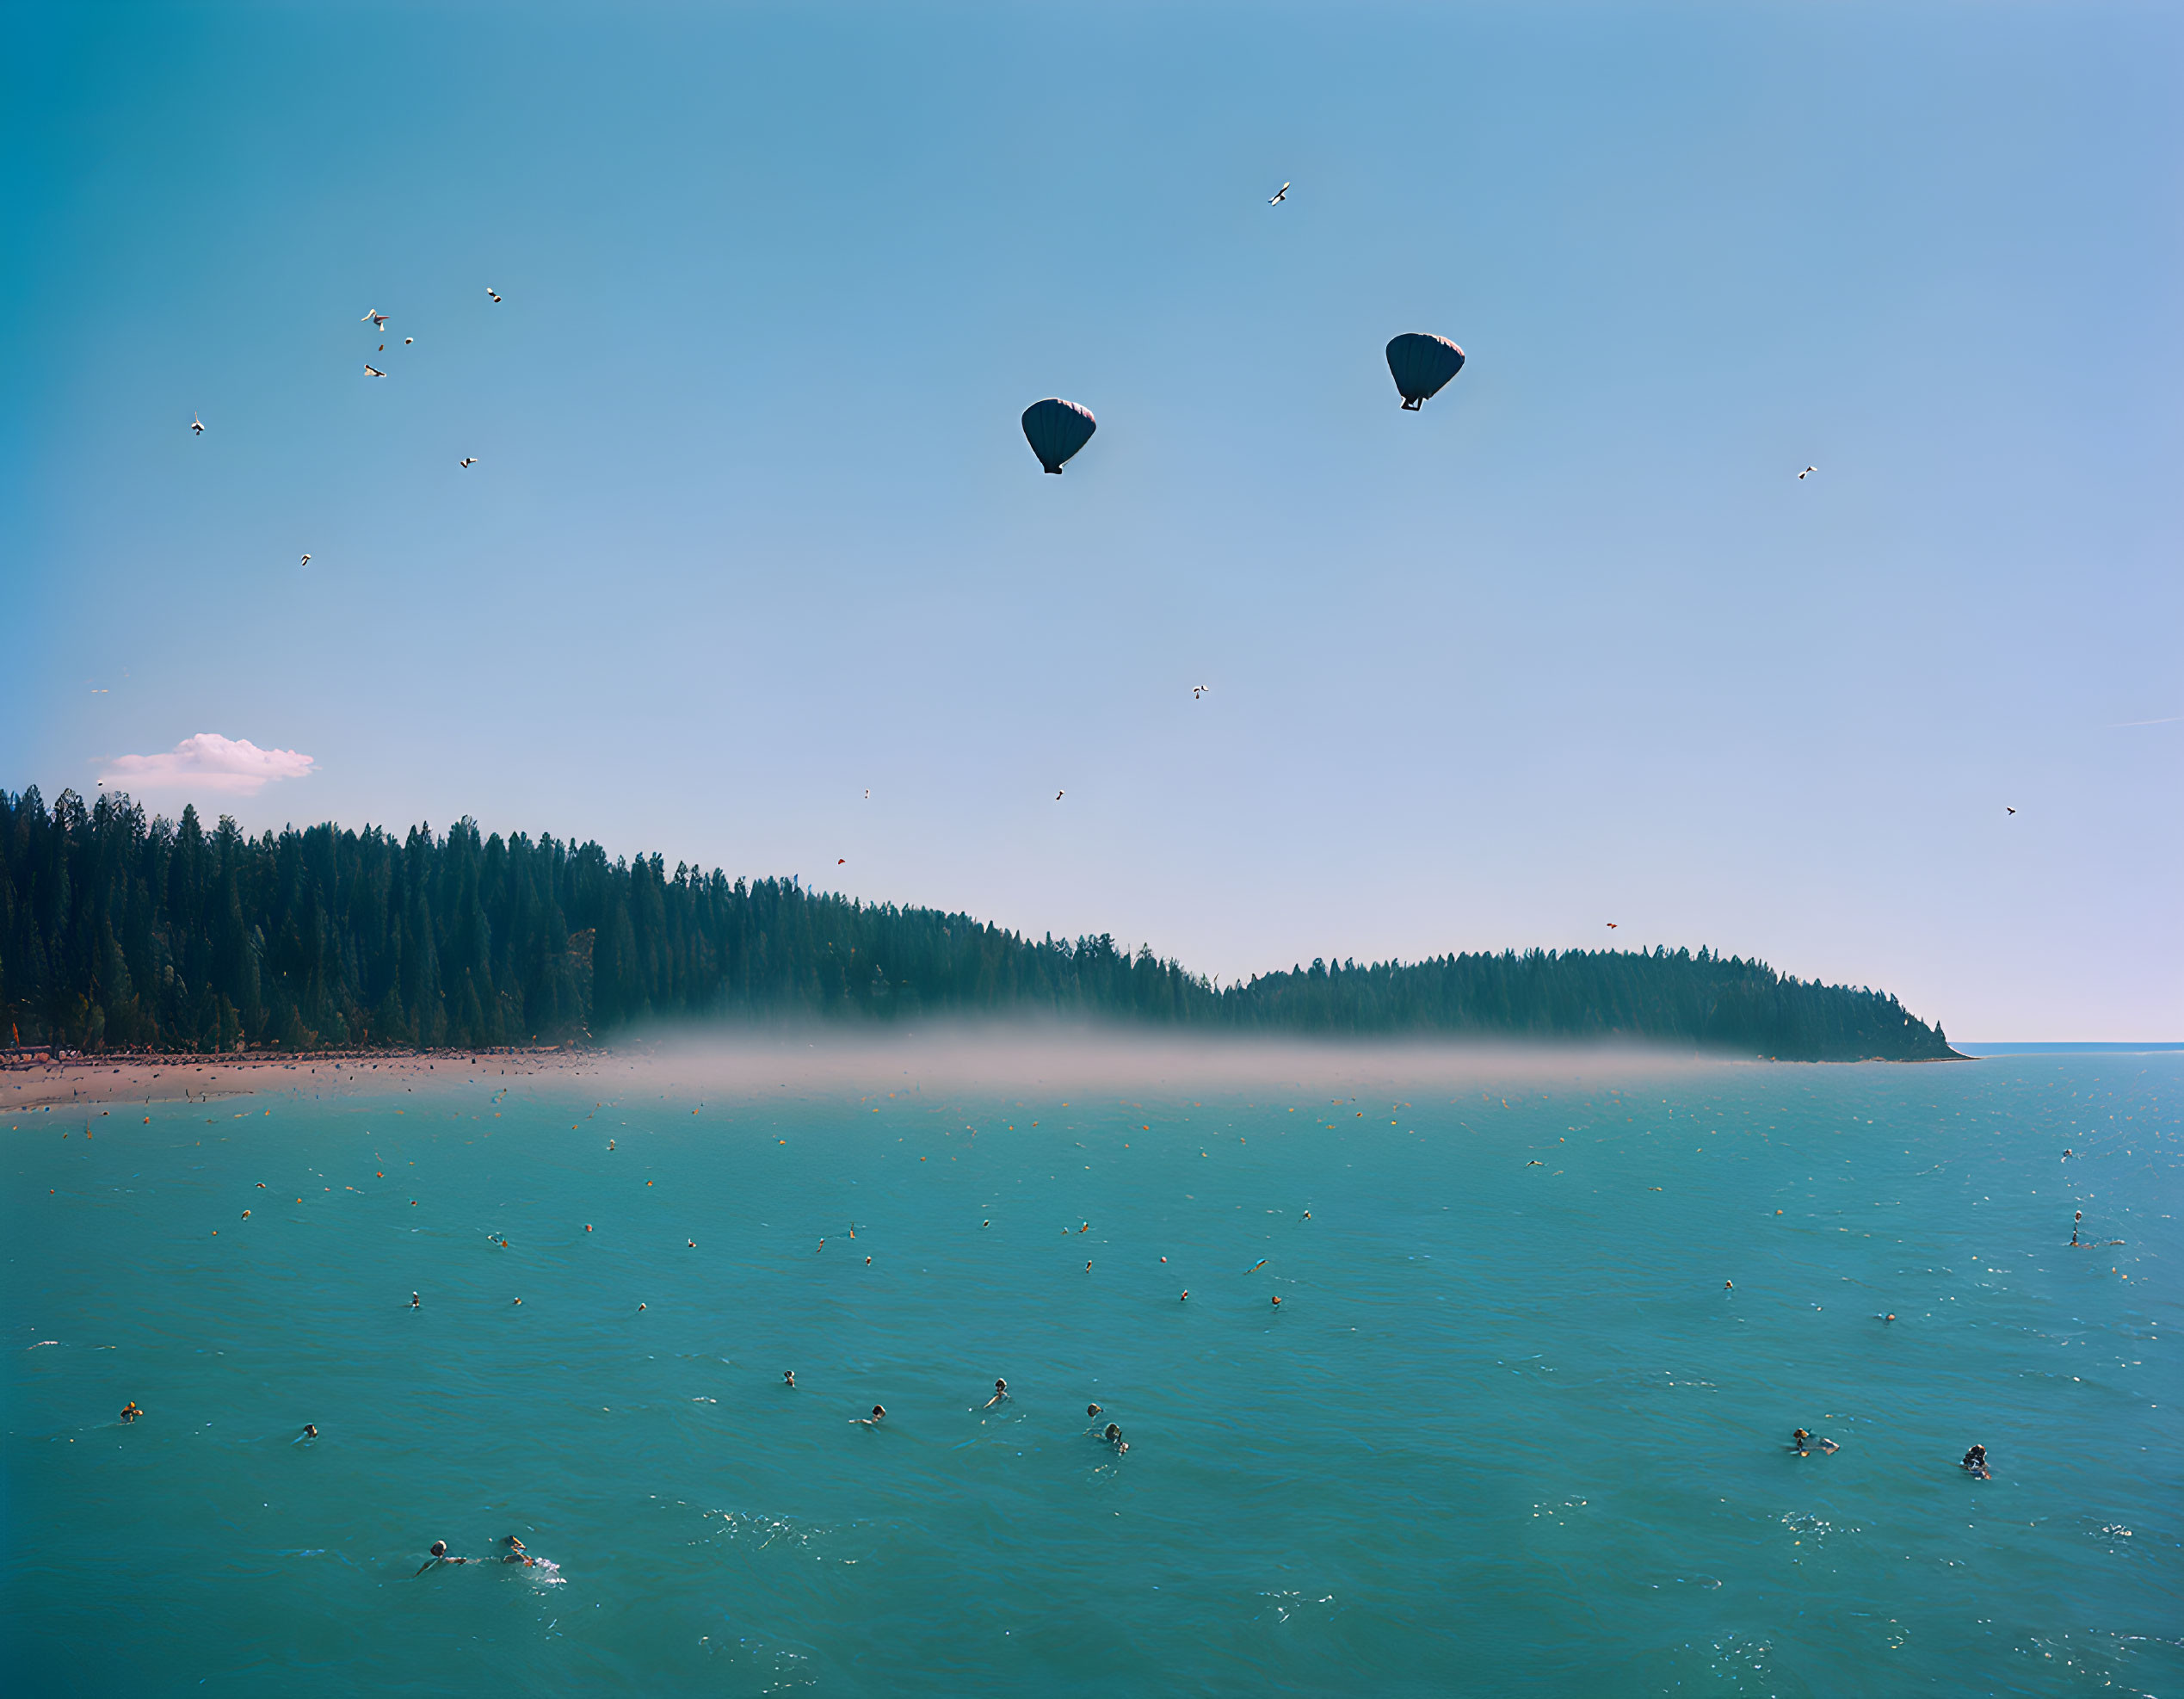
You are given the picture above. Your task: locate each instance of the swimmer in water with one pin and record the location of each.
(1186, 1298)
(1093, 1412)
(310, 1431)
(439, 1556)
(788, 1379)
(1114, 1437)
(1729, 1286)
(1801, 1440)
(515, 1554)
(1000, 1392)
(129, 1411)
(414, 1303)
(878, 1415)
(1277, 1303)
(1975, 1464)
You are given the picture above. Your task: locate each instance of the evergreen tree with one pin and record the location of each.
(118, 931)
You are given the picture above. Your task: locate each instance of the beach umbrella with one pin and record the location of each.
(1056, 430)
(1421, 365)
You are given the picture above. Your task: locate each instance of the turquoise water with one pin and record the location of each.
(1507, 1425)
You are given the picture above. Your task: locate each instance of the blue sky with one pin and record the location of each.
(752, 528)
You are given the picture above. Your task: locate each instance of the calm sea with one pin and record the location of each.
(1508, 1425)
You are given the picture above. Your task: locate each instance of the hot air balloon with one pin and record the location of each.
(1421, 366)
(1056, 428)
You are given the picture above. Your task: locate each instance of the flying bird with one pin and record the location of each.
(467, 459)
(305, 561)
(842, 861)
(1802, 475)
(1197, 690)
(2007, 809)
(1279, 196)
(1057, 796)
(374, 318)
(488, 290)
(406, 340)
(373, 371)
(196, 425)
(868, 795)
(1611, 926)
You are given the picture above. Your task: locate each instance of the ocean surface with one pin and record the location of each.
(1509, 1426)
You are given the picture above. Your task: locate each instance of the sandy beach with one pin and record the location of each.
(105, 1079)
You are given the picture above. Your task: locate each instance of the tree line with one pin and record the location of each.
(123, 932)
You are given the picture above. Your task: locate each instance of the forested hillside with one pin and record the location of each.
(119, 930)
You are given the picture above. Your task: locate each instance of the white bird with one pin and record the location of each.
(1197, 690)
(488, 290)
(374, 318)
(196, 425)
(1279, 195)
(305, 561)
(867, 796)
(467, 459)
(1809, 468)
(373, 371)
(406, 340)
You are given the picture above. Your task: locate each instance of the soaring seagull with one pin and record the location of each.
(467, 459)
(1057, 796)
(1279, 196)
(1197, 690)
(374, 318)
(196, 425)
(373, 371)
(488, 290)
(1809, 468)
(305, 561)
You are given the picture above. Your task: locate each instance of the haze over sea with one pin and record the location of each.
(1507, 1426)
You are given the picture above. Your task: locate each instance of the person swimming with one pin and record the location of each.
(1277, 1303)
(516, 1554)
(414, 1303)
(310, 1430)
(1975, 1464)
(439, 1556)
(878, 1415)
(1801, 1440)
(1092, 1411)
(129, 1411)
(1000, 1392)
(788, 1379)
(1114, 1437)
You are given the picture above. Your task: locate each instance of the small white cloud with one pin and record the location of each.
(207, 762)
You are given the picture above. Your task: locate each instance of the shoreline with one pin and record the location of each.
(87, 1080)
(42, 1086)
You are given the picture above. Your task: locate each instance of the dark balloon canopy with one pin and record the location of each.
(1421, 365)
(1056, 430)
